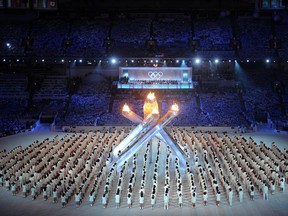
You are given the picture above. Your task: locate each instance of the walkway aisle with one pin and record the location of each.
(173, 197)
(123, 197)
(161, 176)
(149, 175)
(135, 193)
(186, 191)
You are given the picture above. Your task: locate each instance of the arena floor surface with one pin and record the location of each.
(17, 205)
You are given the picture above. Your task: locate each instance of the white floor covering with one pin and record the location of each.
(17, 205)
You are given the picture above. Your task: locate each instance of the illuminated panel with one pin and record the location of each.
(45, 4)
(155, 78)
(18, 4)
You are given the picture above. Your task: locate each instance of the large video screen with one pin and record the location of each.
(157, 73)
(18, 4)
(29, 4)
(45, 4)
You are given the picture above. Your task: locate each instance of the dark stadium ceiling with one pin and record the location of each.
(155, 5)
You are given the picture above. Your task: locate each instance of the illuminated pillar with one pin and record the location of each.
(148, 128)
(139, 130)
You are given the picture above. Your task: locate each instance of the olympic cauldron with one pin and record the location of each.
(151, 126)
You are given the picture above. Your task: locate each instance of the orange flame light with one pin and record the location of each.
(151, 96)
(175, 107)
(155, 111)
(126, 108)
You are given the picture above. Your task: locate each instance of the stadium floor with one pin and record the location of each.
(17, 205)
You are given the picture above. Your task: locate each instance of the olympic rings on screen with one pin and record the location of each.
(155, 74)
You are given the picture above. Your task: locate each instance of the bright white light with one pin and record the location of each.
(177, 61)
(17, 60)
(156, 61)
(8, 45)
(4, 60)
(247, 60)
(132, 61)
(151, 61)
(62, 60)
(197, 61)
(267, 60)
(113, 61)
(43, 60)
(216, 61)
(229, 60)
(80, 60)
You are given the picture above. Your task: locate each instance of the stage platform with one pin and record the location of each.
(155, 78)
(155, 86)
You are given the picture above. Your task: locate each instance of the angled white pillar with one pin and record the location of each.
(148, 128)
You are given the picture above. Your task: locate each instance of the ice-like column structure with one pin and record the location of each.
(165, 137)
(132, 116)
(145, 137)
(145, 124)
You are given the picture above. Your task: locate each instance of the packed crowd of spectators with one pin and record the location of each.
(14, 86)
(52, 88)
(13, 100)
(87, 36)
(223, 109)
(281, 32)
(172, 33)
(131, 32)
(48, 35)
(10, 115)
(88, 103)
(92, 103)
(214, 34)
(11, 38)
(254, 42)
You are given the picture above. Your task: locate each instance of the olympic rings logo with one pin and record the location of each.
(155, 74)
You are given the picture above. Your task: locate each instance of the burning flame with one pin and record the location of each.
(175, 107)
(151, 96)
(126, 108)
(155, 111)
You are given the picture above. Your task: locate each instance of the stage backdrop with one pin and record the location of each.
(181, 74)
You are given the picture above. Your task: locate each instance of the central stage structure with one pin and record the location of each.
(149, 127)
(155, 78)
